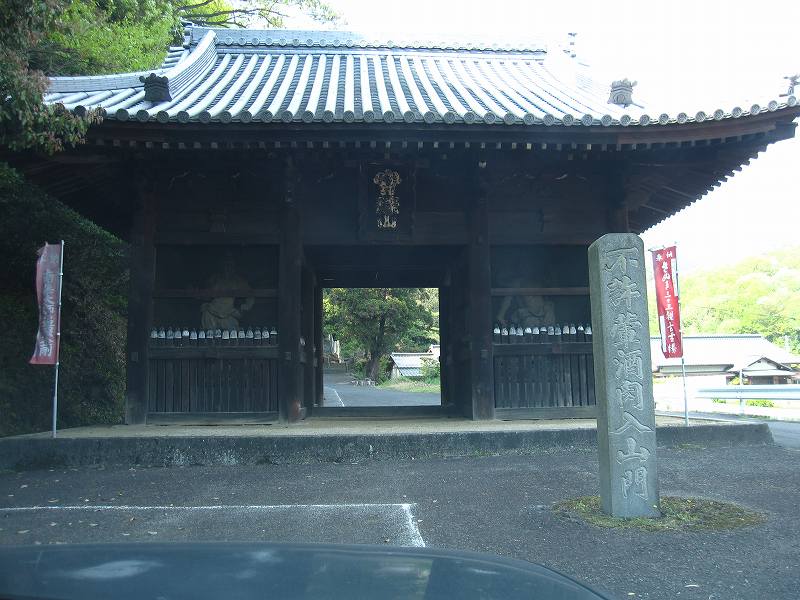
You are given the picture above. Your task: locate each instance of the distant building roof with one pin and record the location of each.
(409, 364)
(720, 353)
(763, 367)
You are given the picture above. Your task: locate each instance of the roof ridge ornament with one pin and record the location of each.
(794, 81)
(571, 36)
(622, 92)
(156, 88)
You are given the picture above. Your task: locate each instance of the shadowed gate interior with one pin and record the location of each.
(231, 294)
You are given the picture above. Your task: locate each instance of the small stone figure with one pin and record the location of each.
(225, 311)
(525, 310)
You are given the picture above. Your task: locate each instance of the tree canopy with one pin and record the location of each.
(757, 295)
(381, 320)
(25, 121)
(87, 37)
(224, 13)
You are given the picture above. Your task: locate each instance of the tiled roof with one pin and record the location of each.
(722, 350)
(410, 363)
(289, 76)
(763, 367)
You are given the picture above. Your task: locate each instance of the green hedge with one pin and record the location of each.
(92, 372)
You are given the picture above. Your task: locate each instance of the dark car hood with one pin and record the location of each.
(264, 570)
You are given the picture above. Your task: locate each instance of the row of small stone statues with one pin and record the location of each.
(546, 334)
(184, 337)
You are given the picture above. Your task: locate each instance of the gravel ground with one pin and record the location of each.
(490, 504)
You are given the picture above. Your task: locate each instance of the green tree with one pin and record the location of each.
(379, 320)
(224, 13)
(756, 295)
(108, 36)
(25, 121)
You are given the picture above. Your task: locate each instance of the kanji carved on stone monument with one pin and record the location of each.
(623, 381)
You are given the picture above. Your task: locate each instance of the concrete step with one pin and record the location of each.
(331, 442)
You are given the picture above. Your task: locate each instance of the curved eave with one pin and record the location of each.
(709, 163)
(778, 125)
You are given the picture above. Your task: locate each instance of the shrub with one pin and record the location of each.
(94, 304)
(431, 369)
(762, 403)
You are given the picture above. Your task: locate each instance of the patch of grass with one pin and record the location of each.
(677, 514)
(689, 446)
(412, 385)
(761, 403)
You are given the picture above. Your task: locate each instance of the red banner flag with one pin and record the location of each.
(48, 294)
(665, 271)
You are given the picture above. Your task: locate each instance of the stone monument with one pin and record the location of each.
(626, 430)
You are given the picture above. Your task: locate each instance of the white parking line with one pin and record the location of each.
(334, 395)
(413, 527)
(398, 518)
(95, 507)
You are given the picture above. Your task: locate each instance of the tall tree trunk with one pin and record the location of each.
(375, 353)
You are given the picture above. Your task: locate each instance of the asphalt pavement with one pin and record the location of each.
(339, 392)
(495, 504)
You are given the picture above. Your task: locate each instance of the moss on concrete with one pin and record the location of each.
(677, 514)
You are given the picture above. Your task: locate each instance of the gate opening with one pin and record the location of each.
(381, 347)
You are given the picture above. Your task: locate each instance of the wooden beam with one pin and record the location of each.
(212, 418)
(541, 291)
(140, 303)
(445, 354)
(289, 282)
(307, 329)
(617, 211)
(480, 305)
(318, 342)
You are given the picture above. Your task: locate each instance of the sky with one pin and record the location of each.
(685, 56)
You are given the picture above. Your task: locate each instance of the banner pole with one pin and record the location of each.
(683, 362)
(685, 396)
(58, 340)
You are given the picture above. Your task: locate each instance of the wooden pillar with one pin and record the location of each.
(445, 356)
(459, 337)
(617, 208)
(480, 304)
(308, 326)
(289, 284)
(140, 301)
(320, 365)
